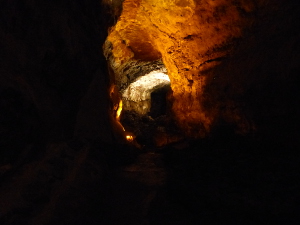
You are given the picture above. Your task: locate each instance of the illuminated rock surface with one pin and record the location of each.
(212, 57)
(235, 68)
(137, 96)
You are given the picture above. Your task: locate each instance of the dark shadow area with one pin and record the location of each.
(159, 102)
(61, 164)
(231, 181)
(20, 130)
(150, 131)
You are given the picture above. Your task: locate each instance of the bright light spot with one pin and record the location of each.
(118, 114)
(143, 86)
(129, 138)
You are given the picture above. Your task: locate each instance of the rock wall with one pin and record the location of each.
(50, 53)
(54, 105)
(237, 64)
(224, 58)
(137, 96)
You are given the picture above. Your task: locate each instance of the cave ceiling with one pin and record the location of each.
(192, 39)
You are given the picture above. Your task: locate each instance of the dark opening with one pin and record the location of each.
(159, 102)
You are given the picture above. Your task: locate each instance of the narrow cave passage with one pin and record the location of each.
(233, 63)
(146, 108)
(138, 95)
(219, 86)
(147, 111)
(142, 95)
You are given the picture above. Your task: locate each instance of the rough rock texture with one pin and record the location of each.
(125, 73)
(59, 160)
(224, 58)
(137, 96)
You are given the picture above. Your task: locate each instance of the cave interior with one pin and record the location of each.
(149, 112)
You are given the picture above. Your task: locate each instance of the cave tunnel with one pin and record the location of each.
(149, 112)
(147, 94)
(145, 110)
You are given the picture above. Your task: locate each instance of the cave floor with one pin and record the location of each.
(134, 188)
(75, 183)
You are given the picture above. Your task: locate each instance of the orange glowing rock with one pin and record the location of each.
(191, 37)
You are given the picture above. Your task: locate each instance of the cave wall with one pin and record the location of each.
(229, 62)
(54, 105)
(54, 87)
(137, 96)
(50, 54)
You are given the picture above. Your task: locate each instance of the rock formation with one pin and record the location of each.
(221, 57)
(234, 70)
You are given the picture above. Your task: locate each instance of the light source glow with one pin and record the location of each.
(129, 137)
(141, 89)
(119, 110)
